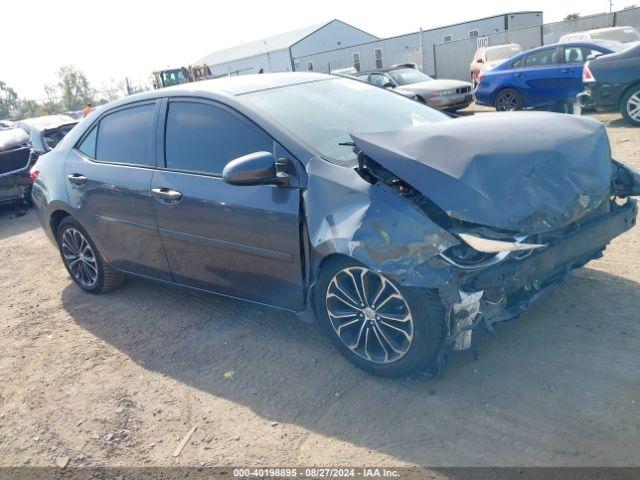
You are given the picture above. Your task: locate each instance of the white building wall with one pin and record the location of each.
(406, 48)
(276, 61)
(335, 34)
(402, 49)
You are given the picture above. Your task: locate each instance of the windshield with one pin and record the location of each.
(323, 113)
(502, 52)
(624, 35)
(407, 76)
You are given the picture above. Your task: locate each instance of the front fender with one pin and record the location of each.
(372, 224)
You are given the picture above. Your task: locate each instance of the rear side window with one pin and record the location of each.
(88, 145)
(126, 136)
(203, 138)
(542, 58)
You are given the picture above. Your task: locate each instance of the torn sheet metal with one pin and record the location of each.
(524, 172)
(372, 224)
(463, 315)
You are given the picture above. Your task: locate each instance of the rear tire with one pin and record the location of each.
(82, 259)
(508, 100)
(630, 106)
(404, 333)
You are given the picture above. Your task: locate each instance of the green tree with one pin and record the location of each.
(572, 16)
(8, 100)
(74, 88)
(30, 108)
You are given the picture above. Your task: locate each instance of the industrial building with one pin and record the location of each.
(336, 45)
(279, 53)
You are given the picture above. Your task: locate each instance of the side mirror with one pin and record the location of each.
(388, 85)
(593, 55)
(480, 60)
(257, 168)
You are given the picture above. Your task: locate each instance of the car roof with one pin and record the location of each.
(503, 45)
(576, 43)
(228, 86)
(388, 69)
(47, 122)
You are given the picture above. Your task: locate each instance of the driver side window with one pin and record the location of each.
(203, 138)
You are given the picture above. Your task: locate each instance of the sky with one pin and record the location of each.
(111, 39)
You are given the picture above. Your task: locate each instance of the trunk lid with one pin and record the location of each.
(525, 172)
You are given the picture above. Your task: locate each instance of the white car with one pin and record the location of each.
(616, 34)
(489, 57)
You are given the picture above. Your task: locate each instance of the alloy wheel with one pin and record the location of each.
(79, 257)
(507, 102)
(633, 106)
(369, 315)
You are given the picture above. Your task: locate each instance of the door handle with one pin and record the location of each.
(519, 75)
(167, 194)
(77, 178)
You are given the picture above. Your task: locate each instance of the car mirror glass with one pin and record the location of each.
(258, 168)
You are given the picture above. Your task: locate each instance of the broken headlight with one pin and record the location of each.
(478, 252)
(489, 245)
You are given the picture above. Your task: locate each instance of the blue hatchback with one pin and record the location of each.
(542, 77)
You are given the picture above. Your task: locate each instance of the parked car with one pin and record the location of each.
(612, 82)
(488, 57)
(396, 227)
(47, 131)
(449, 95)
(15, 162)
(616, 34)
(543, 77)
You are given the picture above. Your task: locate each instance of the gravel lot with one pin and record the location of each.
(119, 379)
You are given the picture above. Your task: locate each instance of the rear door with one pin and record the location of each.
(538, 75)
(108, 178)
(242, 241)
(574, 57)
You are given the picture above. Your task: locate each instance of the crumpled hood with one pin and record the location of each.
(526, 172)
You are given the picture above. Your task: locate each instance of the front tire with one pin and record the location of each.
(82, 259)
(630, 106)
(508, 100)
(400, 335)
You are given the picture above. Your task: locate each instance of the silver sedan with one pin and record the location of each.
(443, 94)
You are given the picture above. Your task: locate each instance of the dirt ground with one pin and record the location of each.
(119, 379)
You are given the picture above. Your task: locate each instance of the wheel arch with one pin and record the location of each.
(626, 90)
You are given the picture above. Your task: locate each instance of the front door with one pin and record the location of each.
(242, 241)
(108, 180)
(538, 77)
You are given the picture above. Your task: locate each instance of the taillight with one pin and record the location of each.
(34, 172)
(587, 76)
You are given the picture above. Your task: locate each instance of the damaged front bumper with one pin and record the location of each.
(505, 290)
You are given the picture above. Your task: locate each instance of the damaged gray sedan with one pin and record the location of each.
(398, 229)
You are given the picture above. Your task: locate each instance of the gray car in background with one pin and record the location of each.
(442, 94)
(397, 228)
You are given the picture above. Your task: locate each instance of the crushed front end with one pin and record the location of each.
(507, 283)
(520, 221)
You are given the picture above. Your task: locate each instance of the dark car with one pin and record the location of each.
(398, 228)
(443, 94)
(47, 131)
(15, 161)
(613, 83)
(545, 77)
